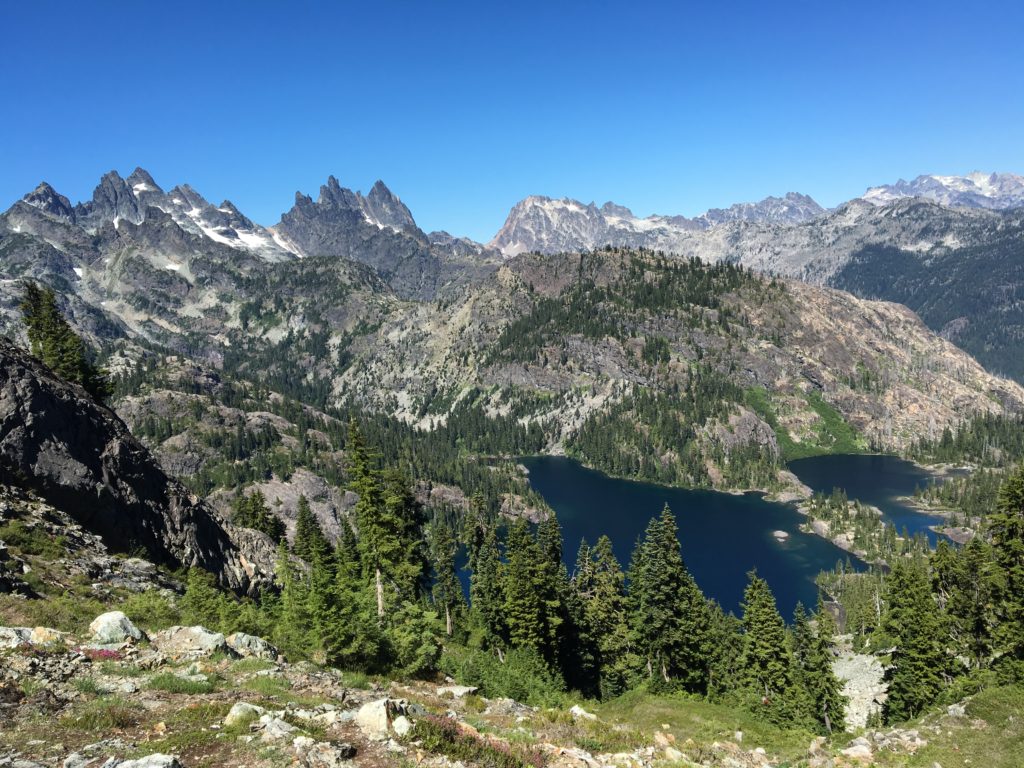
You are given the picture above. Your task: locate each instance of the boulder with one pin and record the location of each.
(190, 642)
(401, 725)
(581, 714)
(46, 636)
(274, 728)
(323, 754)
(114, 627)
(374, 718)
(250, 646)
(243, 712)
(12, 637)
(456, 691)
(149, 761)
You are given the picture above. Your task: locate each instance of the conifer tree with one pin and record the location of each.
(671, 617)
(293, 630)
(767, 667)
(601, 585)
(486, 579)
(447, 589)
(53, 341)
(389, 528)
(310, 541)
(525, 610)
(919, 660)
(1006, 531)
(252, 512)
(812, 657)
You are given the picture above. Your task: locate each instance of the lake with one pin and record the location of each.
(723, 536)
(875, 480)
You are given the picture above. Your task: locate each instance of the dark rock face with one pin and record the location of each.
(80, 457)
(379, 231)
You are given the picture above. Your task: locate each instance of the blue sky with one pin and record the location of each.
(464, 109)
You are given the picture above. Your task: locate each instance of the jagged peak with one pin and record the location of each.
(140, 180)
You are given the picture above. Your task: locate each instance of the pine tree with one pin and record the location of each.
(252, 512)
(1006, 531)
(310, 541)
(601, 586)
(919, 660)
(389, 522)
(447, 589)
(486, 579)
(202, 602)
(293, 630)
(812, 656)
(525, 609)
(767, 667)
(53, 341)
(670, 617)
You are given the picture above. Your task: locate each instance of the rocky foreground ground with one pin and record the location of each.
(113, 697)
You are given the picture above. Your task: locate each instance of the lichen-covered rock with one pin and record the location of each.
(12, 637)
(114, 627)
(190, 642)
(374, 718)
(250, 646)
(243, 712)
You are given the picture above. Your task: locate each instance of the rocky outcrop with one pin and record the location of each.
(56, 441)
(190, 642)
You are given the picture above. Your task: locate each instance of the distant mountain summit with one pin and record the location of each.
(975, 190)
(547, 225)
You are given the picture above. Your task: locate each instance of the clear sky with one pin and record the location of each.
(463, 109)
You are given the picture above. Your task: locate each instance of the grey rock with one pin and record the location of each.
(79, 456)
(328, 755)
(189, 642)
(12, 637)
(242, 712)
(374, 718)
(114, 627)
(250, 646)
(156, 760)
(401, 725)
(274, 728)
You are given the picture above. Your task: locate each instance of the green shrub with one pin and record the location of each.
(103, 715)
(442, 735)
(524, 676)
(168, 681)
(151, 610)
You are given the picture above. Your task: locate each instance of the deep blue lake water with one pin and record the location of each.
(724, 536)
(875, 480)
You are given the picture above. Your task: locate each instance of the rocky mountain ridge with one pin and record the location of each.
(77, 455)
(973, 190)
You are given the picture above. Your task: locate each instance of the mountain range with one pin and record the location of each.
(903, 242)
(347, 301)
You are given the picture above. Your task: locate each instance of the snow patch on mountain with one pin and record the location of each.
(997, 191)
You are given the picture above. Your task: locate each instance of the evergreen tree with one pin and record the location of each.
(447, 589)
(601, 586)
(389, 522)
(768, 670)
(252, 512)
(812, 656)
(528, 614)
(293, 629)
(1006, 531)
(919, 660)
(310, 541)
(202, 602)
(671, 616)
(486, 579)
(53, 341)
